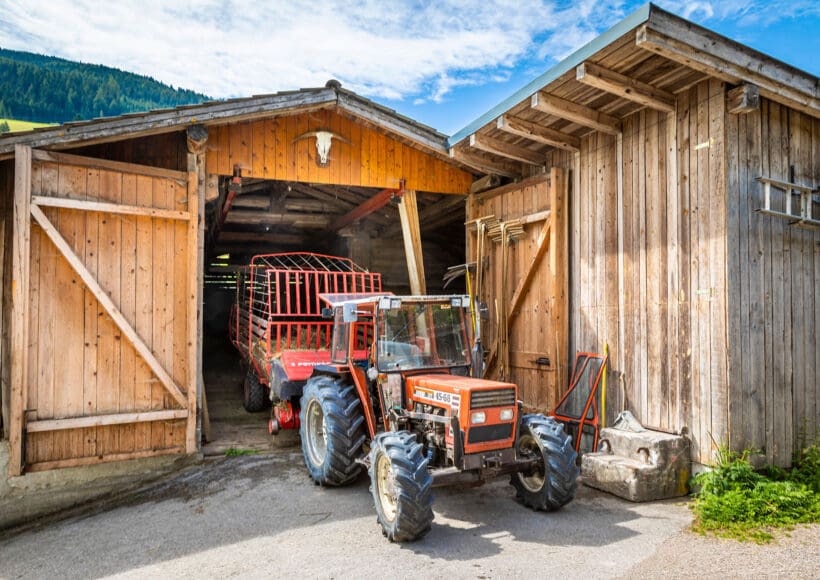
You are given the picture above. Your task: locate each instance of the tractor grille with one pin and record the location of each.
(489, 433)
(495, 398)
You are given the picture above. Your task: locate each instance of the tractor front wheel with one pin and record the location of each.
(332, 430)
(254, 393)
(401, 486)
(554, 480)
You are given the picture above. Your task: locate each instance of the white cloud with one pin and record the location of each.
(418, 49)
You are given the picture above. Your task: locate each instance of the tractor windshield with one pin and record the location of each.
(417, 335)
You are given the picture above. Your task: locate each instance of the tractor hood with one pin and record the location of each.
(455, 383)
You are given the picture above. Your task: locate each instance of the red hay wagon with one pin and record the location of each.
(277, 325)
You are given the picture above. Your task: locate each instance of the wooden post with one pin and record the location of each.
(559, 256)
(411, 232)
(203, 183)
(19, 302)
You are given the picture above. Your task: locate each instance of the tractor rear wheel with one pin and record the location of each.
(401, 486)
(554, 481)
(332, 430)
(254, 395)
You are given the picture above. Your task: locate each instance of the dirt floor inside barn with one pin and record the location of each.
(261, 516)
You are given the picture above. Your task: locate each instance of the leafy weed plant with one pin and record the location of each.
(234, 452)
(735, 501)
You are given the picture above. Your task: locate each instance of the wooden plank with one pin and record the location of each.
(515, 186)
(81, 461)
(717, 263)
(144, 276)
(672, 283)
(128, 306)
(559, 290)
(684, 301)
(92, 381)
(625, 87)
(107, 164)
(538, 133)
(21, 258)
(108, 305)
(105, 207)
(411, 233)
(508, 150)
(101, 420)
(583, 115)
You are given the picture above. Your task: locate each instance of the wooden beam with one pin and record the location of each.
(228, 236)
(107, 164)
(743, 99)
(367, 207)
(430, 214)
(21, 261)
(628, 88)
(83, 205)
(483, 164)
(508, 150)
(409, 214)
(102, 420)
(196, 281)
(516, 185)
(305, 220)
(97, 459)
(108, 305)
(576, 113)
(710, 53)
(537, 133)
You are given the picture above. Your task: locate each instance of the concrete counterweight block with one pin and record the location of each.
(643, 466)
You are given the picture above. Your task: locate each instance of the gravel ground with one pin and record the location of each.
(260, 516)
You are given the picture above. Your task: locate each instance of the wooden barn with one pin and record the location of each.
(692, 228)
(116, 230)
(655, 192)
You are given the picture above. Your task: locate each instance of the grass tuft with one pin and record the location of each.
(234, 452)
(735, 501)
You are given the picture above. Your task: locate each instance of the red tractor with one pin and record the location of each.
(277, 325)
(396, 398)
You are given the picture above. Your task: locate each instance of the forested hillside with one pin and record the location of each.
(54, 90)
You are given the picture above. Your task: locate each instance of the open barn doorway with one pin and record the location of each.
(355, 231)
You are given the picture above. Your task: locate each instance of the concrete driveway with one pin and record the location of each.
(260, 516)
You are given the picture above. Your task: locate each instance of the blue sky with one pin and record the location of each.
(443, 62)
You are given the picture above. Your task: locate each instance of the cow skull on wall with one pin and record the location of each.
(324, 139)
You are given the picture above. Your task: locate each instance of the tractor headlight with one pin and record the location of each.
(507, 415)
(478, 417)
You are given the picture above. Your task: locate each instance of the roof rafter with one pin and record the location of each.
(576, 113)
(534, 132)
(508, 150)
(628, 88)
(483, 164)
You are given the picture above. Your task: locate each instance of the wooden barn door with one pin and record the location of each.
(103, 351)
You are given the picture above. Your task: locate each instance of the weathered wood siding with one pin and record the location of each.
(774, 278)
(648, 264)
(532, 335)
(266, 149)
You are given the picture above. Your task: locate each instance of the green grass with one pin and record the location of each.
(22, 125)
(735, 501)
(234, 452)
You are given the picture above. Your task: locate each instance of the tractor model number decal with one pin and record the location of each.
(439, 397)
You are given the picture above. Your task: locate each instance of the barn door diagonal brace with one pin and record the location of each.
(108, 305)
